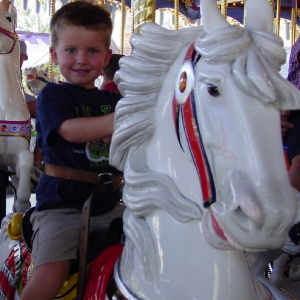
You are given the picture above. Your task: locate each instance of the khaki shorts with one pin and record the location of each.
(56, 233)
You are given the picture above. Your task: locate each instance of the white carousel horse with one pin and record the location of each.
(198, 137)
(14, 115)
(36, 79)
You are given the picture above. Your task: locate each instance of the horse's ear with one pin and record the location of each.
(259, 15)
(211, 16)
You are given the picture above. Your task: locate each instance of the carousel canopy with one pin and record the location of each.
(235, 7)
(38, 43)
(37, 48)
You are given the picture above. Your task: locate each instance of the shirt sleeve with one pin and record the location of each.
(54, 106)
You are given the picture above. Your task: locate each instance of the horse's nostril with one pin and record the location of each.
(251, 210)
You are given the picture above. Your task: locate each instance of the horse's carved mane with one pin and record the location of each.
(136, 110)
(135, 124)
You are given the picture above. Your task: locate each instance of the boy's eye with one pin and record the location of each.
(93, 51)
(71, 50)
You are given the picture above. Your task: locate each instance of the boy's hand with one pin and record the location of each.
(106, 140)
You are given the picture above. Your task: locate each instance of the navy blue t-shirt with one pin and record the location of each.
(56, 104)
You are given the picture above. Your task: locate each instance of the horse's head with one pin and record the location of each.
(217, 137)
(36, 79)
(8, 36)
(229, 108)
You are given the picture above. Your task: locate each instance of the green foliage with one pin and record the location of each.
(31, 21)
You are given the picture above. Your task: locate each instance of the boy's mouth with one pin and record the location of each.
(81, 71)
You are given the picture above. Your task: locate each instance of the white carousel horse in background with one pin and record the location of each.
(36, 79)
(198, 137)
(14, 115)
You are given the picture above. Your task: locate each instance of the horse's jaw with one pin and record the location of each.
(213, 233)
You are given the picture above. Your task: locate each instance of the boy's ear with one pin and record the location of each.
(53, 55)
(107, 57)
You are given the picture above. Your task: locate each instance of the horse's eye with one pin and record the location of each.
(213, 90)
(8, 19)
(185, 82)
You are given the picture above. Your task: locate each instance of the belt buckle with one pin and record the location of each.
(115, 181)
(105, 178)
(105, 182)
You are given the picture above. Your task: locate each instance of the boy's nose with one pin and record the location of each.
(81, 57)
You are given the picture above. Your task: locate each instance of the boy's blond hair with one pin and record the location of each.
(84, 14)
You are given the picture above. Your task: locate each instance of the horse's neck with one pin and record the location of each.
(36, 86)
(12, 102)
(188, 267)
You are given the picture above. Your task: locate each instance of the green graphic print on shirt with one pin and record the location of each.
(97, 152)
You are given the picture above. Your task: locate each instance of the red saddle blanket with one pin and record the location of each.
(14, 271)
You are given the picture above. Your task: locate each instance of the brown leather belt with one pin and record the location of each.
(117, 180)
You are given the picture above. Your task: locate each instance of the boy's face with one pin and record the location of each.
(81, 55)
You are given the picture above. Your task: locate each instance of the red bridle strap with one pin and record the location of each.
(192, 130)
(13, 35)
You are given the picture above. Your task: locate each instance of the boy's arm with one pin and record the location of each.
(84, 130)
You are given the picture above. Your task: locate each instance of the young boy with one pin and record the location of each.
(75, 121)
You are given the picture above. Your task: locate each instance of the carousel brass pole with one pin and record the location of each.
(143, 12)
(224, 8)
(123, 14)
(272, 3)
(102, 3)
(293, 21)
(278, 8)
(51, 65)
(176, 12)
(244, 16)
(132, 17)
